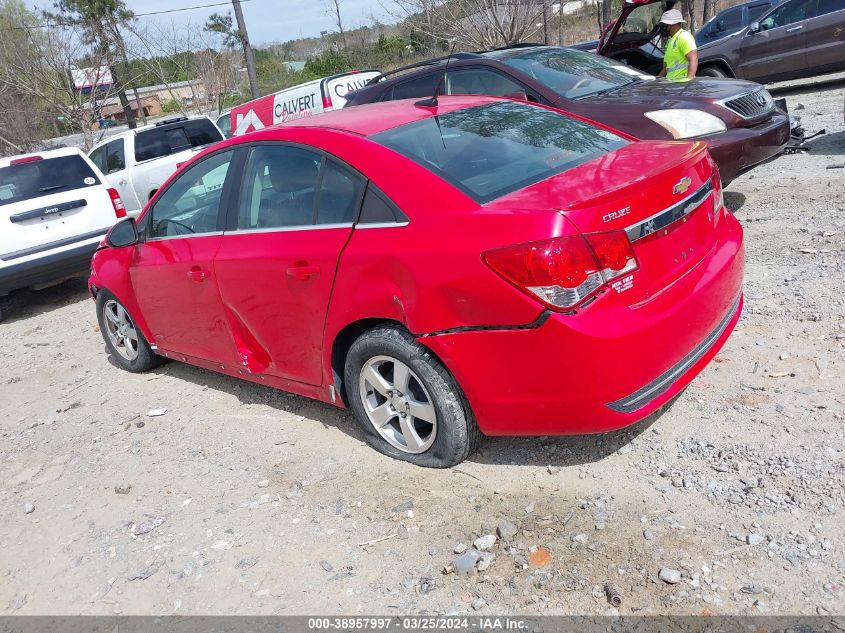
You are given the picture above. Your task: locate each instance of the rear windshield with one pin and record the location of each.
(169, 139)
(43, 177)
(494, 149)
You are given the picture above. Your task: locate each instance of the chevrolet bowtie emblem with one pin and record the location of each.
(682, 185)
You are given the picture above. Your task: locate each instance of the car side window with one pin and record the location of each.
(279, 188)
(115, 156)
(829, 6)
(340, 195)
(415, 88)
(755, 11)
(730, 21)
(98, 157)
(377, 208)
(481, 81)
(190, 205)
(790, 13)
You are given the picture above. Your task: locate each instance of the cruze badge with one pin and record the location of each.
(682, 185)
(607, 217)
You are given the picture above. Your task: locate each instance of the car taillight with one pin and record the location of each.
(564, 271)
(327, 102)
(117, 203)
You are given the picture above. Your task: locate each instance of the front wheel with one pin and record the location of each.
(124, 340)
(406, 401)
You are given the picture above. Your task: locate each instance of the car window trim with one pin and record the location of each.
(235, 164)
(230, 223)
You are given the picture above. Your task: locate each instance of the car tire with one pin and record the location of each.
(383, 360)
(7, 306)
(124, 340)
(712, 71)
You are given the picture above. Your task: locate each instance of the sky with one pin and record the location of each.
(267, 21)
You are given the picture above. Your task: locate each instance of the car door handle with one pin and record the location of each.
(198, 274)
(795, 28)
(302, 271)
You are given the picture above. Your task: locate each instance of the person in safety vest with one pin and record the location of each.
(680, 59)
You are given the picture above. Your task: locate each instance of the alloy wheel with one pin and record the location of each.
(120, 330)
(398, 404)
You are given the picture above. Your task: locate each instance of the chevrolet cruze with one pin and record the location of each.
(446, 270)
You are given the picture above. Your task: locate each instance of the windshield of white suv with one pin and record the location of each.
(572, 73)
(169, 139)
(38, 177)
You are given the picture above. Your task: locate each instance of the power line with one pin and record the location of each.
(48, 25)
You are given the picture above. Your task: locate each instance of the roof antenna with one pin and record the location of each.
(431, 102)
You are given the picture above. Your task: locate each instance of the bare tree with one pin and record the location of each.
(333, 9)
(606, 14)
(37, 65)
(709, 10)
(478, 24)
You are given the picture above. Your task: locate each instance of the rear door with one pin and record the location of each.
(779, 47)
(111, 159)
(276, 265)
(48, 203)
(172, 270)
(826, 37)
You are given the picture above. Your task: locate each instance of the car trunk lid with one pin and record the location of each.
(661, 194)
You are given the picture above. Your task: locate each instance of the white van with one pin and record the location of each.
(320, 95)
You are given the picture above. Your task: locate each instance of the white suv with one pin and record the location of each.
(138, 162)
(55, 208)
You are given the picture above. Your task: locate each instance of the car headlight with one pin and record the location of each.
(687, 123)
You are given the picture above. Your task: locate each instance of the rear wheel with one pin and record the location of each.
(406, 401)
(124, 340)
(712, 71)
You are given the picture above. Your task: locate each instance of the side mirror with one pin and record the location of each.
(754, 28)
(124, 233)
(516, 94)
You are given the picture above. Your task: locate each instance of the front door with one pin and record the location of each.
(173, 268)
(778, 48)
(276, 266)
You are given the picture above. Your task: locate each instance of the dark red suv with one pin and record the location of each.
(737, 119)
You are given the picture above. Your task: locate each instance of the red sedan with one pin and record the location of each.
(476, 266)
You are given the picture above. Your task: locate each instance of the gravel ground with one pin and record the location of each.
(239, 499)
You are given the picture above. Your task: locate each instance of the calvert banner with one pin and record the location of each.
(298, 102)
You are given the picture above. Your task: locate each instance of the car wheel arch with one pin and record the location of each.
(127, 299)
(342, 343)
(720, 65)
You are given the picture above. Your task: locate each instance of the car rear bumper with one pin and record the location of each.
(609, 365)
(47, 268)
(740, 148)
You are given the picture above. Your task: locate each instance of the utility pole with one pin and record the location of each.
(250, 60)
